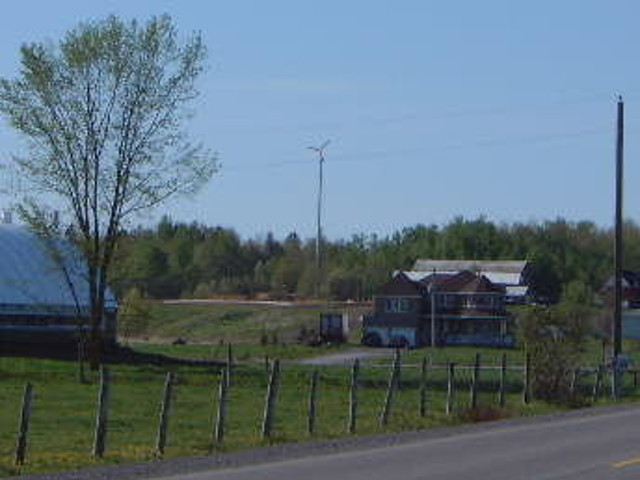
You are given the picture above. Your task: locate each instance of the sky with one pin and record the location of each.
(502, 109)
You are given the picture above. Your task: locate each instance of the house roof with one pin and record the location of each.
(499, 278)
(412, 275)
(629, 279)
(517, 290)
(459, 282)
(503, 278)
(498, 266)
(469, 282)
(33, 282)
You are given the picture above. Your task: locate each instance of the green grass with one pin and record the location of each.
(62, 423)
(242, 352)
(228, 323)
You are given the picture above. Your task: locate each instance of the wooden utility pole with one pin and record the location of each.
(618, 247)
(432, 291)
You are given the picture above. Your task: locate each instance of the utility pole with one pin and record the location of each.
(320, 151)
(432, 291)
(618, 246)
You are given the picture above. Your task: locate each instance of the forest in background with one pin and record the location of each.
(190, 260)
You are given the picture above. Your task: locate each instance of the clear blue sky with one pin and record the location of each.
(434, 108)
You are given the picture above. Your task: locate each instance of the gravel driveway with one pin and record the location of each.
(346, 358)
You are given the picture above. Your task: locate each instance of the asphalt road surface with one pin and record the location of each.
(592, 447)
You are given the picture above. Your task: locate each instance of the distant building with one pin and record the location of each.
(44, 297)
(514, 275)
(461, 308)
(630, 288)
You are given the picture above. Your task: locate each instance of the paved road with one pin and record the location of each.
(600, 447)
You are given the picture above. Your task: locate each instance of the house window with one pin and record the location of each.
(450, 301)
(397, 305)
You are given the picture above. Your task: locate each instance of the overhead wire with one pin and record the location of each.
(405, 155)
(455, 112)
(409, 154)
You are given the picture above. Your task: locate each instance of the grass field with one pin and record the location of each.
(62, 424)
(229, 323)
(61, 434)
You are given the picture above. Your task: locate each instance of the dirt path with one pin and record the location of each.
(347, 357)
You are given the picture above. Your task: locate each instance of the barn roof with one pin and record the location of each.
(502, 266)
(33, 282)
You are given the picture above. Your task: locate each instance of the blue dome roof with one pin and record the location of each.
(32, 281)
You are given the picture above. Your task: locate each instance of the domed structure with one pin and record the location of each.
(44, 295)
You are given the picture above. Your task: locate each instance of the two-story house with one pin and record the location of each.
(420, 308)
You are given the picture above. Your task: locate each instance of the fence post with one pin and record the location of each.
(270, 402)
(423, 388)
(398, 357)
(451, 378)
(313, 393)
(473, 400)
(353, 396)
(165, 411)
(615, 381)
(102, 416)
(597, 384)
(25, 417)
(221, 415)
(393, 383)
(573, 385)
(503, 381)
(526, 387)
(229, 363)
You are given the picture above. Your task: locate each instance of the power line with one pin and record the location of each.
(479, 111)
(400, 155)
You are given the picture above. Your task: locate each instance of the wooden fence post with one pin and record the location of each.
(165, 411)
(25, 417)
(503, 381)
(102, 416)
(423, 388)
(397, 356)
(221, 415)
(526, 382)
(270, 401)
(573, 384)
(473, 400)
(393, 381)
(597, 384)
(229, 363)
(311, 411)
(451, 378)
(616, 377)
(353, 396)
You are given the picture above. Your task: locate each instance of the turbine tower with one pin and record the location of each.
(320, 151)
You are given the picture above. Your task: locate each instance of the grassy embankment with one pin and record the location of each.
(249, 324)
(62, 424)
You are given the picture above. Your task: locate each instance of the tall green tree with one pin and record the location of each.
(103, 112)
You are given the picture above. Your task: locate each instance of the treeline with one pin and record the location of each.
(192, 260)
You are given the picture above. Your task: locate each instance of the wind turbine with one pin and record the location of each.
(320, 151)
